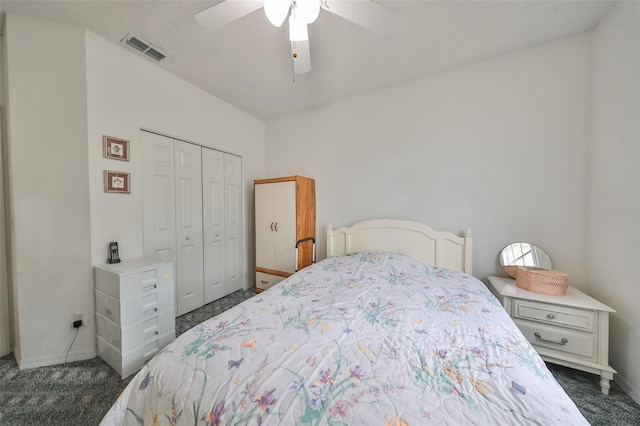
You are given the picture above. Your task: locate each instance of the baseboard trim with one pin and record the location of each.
(627, 387)
(24, 364)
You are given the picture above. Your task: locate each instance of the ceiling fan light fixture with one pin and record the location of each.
(276, 11)
(297, 28)
(308, 10)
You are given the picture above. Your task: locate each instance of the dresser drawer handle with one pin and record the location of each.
(264, 282)
(562, 342)
(150, 335)
(150, 287)
(149, 312)
(551, 316)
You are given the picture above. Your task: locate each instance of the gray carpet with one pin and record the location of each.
(617, 409)
(80, 393)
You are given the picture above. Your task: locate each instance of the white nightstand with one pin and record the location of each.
(570, 330)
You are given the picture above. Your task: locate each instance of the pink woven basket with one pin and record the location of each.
(543, 281)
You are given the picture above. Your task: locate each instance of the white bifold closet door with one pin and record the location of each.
(192, 216)
(222, 220)
(188, 205)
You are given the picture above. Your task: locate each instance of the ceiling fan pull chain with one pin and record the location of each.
(294, 55)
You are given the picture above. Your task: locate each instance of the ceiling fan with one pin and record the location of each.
(365, 13)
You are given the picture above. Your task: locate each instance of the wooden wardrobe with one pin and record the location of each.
(285, 212)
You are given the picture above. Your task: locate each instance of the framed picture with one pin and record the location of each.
(115, 148)
(116, 182)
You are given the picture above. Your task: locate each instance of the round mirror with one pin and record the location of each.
(523, 254)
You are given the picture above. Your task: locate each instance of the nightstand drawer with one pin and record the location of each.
(563, 340)
(552, 314)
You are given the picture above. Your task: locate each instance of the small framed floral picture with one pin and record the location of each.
(116, 182)
(115, 148)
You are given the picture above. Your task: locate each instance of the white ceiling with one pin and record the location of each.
(248, 64)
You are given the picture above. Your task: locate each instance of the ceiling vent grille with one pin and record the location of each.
(139, 45)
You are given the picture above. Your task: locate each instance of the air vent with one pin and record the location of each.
(155, 54)
(139, 45)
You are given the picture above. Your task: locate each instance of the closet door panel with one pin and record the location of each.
(158, 195)
(189, 237)
(213, 223)
(233, 223)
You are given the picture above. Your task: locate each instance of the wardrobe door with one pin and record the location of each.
(189, 237)
(213, 224)
(264, 219)
(158, 198)
(284, 196)
(233, 223)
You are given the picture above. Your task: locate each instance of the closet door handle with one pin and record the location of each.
(272, 226)
(276, 226)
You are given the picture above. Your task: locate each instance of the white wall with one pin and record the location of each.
(126, 93)
(613, 255)
(48, 176)
(500, 145)
(67, 88)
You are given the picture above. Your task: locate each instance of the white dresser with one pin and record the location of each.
(570, 330)
(135, 314)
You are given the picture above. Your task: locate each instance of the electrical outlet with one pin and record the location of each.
(78, 316)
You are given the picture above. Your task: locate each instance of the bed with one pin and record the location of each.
(389, 329)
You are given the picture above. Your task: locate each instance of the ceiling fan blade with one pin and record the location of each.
(301, 56)
(365, 13)
(277, 11)
(226, 12)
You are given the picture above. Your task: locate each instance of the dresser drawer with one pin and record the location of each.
(127, 363)
(579, 319)
(125, 285)
(133, 335)
(265, 281)
(559, 339)
(134, 309)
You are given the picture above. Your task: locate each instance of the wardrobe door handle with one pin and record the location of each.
(276, 226)
(272, 226)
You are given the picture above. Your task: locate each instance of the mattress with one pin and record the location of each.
(372, 338)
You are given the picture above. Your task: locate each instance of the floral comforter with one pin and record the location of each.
(373, 338)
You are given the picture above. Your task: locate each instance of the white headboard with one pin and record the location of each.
(414, 239)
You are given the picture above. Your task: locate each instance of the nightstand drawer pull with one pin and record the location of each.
(551, 316)
(562, 342)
